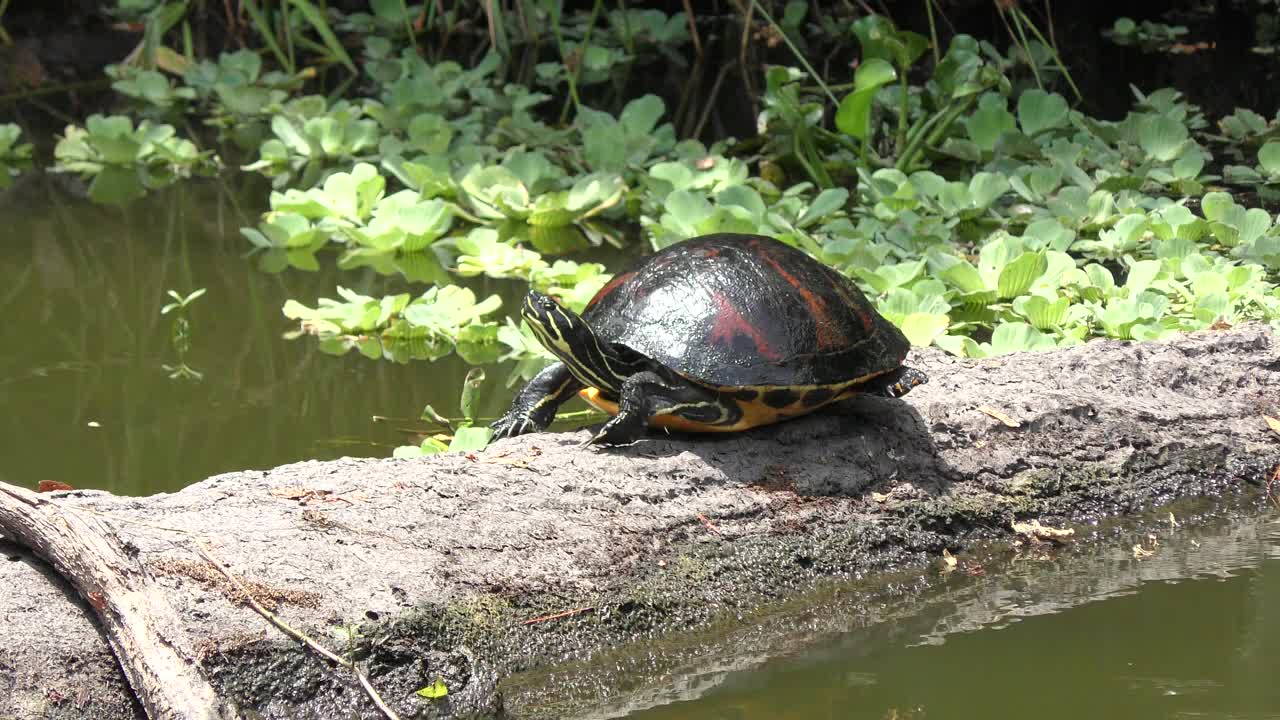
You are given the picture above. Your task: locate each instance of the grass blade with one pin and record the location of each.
(317, 20)
(264, 29)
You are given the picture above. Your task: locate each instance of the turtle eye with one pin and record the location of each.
(532, 312)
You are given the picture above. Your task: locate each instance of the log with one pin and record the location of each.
(509, 574)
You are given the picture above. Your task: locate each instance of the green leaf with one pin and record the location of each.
(827, 202)
(1214, 305)
(987, 124)
(1141, 275)
(1043, 313)
(1215, 205)
(444, 310)
(922, 328)
(1116, 183)
(470, 391)
(1044, 180)
(1269, 158)
(960, 345)
(435, 690)
(688, 208)
(1050, 234)
(593, 194)
(116, 185)
(913, 46)
(1189, 164)
(291, 135)
(853, 117)
(1039, 111)
(496, 192)
(1255, 224)
(1100, 277)
(965, 276)
(1018, 337)
(466, 439)
(430, 133)
(1017, 277)
(1162, 137)
(985, 188)
(878, 37)
(641, 115)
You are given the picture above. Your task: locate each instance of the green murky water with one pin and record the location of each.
(1191, 632)
(86, 395)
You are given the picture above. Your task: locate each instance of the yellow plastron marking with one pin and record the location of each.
(755, 412)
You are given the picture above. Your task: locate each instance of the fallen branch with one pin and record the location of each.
(145, 632)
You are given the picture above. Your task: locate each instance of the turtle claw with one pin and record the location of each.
(599, 440)
(511, 426)
(618, 432)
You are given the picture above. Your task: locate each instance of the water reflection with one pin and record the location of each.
(1192, 632)
(1091, 632)
(87, 397)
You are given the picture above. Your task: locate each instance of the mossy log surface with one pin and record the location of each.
(514, 573)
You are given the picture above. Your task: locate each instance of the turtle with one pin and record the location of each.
(718, 333)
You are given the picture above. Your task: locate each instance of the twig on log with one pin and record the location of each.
(280, 625)
(709, 525)
(557, 616)
(145, 632)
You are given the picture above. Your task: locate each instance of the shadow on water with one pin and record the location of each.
(1190, 631)
(82, 379)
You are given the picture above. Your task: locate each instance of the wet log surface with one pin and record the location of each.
(538, 556)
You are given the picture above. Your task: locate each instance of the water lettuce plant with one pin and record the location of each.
(14, 156)
(956, 183)
(1266, 172)
(1147, 34)
(124, 161)
(152, 88)
(312, 139)
(402, 327)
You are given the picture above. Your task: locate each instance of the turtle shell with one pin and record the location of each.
(732, 310)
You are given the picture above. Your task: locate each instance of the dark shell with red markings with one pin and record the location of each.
(732, 310)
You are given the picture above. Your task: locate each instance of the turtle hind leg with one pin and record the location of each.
(894, 384)
(646, 394)
(535, 406)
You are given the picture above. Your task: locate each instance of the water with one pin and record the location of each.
(1191, 632)
(87, 400)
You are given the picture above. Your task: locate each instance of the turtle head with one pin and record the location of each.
(554, 325)
(571, 339)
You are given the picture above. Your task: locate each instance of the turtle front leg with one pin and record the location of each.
(894, 384)
(535, 406)
(646, 394)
